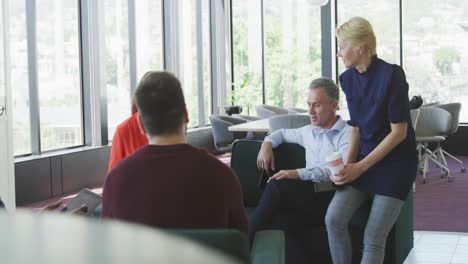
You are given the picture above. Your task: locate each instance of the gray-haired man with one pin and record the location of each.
(293, 190)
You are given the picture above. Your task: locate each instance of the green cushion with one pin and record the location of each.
(269, 247)
(244, 164)
(230, 241)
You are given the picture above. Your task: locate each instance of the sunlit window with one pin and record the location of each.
(247, 54)
(59, 78)
(149, 36)
(117, 63)
(292, 51)
(435, 36)
(198, 108)
(19, 77)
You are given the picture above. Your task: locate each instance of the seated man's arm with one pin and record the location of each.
(265, 159)
(286, 136)
(316, 174)
(322, 173)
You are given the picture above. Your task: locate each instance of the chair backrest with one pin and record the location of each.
(220, 125)
(244, 163)
(294, 110)
(265, 111)
(287, 121)
(414, 117)
(433, 121)
(229, 241)
(454, 109)
(430, 104)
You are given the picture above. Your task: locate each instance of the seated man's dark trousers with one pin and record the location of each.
(292, 206)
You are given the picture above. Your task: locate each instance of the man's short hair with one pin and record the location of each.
(329, 86)
(160, 102)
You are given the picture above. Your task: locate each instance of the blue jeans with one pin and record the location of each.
(384, 212)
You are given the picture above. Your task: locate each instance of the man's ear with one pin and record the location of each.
(335, 105)
(140, 124)
(186, 118)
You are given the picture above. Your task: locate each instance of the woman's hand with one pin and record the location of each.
(349, 174)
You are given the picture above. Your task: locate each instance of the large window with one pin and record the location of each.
(247, 54)
(59, 78)
(117, 63)
(435, 36)
(2, 63)
(384, 17)
(20, 78)
(194, 37)
(293, 51)
(149, 36)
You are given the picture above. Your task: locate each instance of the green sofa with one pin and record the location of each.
(291, 156)
(268, 246)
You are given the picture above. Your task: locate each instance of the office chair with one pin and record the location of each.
(432, 124)
(454, 110)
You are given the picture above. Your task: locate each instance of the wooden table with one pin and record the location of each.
(252, 126)
(54, 238)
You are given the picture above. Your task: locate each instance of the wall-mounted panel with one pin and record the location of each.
(84, 169)
(32, 181)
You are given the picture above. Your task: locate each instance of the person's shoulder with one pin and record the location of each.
(211, 162)
(128, 123)
(345, 79)
(397, 70)
(346, 74)
(130, 162)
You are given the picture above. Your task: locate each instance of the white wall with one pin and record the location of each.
(7, 177)
(7, 180)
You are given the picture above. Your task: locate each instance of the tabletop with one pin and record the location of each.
(53, 238)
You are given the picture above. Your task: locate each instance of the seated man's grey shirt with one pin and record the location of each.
(318, 143)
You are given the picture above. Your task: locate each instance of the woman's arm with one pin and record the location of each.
(353, 149)
(396, 136)
(354, 170)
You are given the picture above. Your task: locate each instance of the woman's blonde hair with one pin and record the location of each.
(358, 31)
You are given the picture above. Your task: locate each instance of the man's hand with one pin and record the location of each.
(52, 207)
(285, 174)
(349, 174)
(83, 210)
(265, 158)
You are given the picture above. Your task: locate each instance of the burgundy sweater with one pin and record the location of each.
(175, 186)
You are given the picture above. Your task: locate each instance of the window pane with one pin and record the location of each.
(59, 78)
(117, 63)
(247, 54)
(2, 63)
(189, 43)
(149, 36)
(19, 77)
(293, 51)
(435, 35)
(384, 17)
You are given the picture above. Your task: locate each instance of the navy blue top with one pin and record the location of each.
(377, 98)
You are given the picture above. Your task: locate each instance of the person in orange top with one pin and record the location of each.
(129, 136)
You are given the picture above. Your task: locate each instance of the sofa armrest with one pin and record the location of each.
(268, 247)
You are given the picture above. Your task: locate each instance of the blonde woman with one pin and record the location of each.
(382, 158)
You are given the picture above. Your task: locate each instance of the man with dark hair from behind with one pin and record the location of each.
(169, 183)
